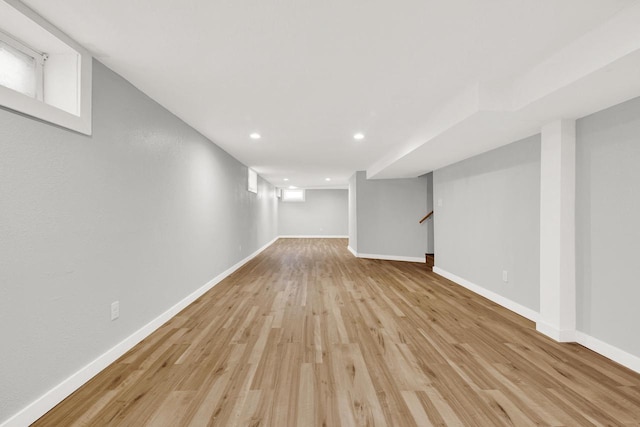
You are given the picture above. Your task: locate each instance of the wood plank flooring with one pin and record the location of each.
(307, 335)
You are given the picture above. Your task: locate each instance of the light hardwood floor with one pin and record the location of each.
(307, 335)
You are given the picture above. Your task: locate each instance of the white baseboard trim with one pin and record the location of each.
(560, 335)
(44, 403)
(614, 353)
(392, 257)
(387, 257)
(315, 236)
(498, 299)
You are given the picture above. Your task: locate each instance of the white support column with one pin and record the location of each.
(557, 231)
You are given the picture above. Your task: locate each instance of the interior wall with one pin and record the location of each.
(353, 213)
(323, 213)
(607, 226)
(143, 212)
(487, 220)
(429, 221)
(388, 215)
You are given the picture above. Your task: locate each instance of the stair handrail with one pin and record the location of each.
(425, 217)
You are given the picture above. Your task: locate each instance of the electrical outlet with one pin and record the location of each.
(115, 310)
(439, 202)
(505, 276)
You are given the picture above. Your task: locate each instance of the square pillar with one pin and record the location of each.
(557, 231)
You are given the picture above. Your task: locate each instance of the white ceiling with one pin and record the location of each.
(417, 77)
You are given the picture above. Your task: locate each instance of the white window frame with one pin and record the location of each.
(252, 181)
(9, 98)
(285, 198)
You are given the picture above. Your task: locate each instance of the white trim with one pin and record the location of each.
(41, 110)
(614, 353)
(392, 257)
(355, 254)
(566, 335)
(313, 236)
(44, 403)
(386, 257)
(498, 299)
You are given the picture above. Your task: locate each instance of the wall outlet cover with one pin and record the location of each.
(115, 310)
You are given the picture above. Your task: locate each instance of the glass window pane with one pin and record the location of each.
(17, 70)
(253, 181)
(293, 195)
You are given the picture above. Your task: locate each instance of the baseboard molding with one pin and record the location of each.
(369, 256)
(560, 335)
(43, 404)
(355, 254)
(391, 257)
(614, 353)
(497, 298)
(312, 237)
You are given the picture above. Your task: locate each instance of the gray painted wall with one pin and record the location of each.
(607, 225)
(429, 221)
(388, 211)
(323, 213)
(489, 220)
(145, 211)
(353, 213)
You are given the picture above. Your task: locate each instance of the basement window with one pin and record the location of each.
(253, 181)
(43, 73)
(21, 67)
(292, 195)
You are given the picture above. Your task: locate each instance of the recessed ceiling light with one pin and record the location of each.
(292, 187)
(327, 179)
(254, 135)
(286, 179)
(358, 136)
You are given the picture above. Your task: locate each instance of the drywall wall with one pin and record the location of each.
(607, 226)
(487, 220)
(323, 213)
(144, 212)
(353, 216)
(429, 221)
(388, 211)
